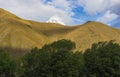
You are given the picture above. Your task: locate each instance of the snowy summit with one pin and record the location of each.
(55, 19)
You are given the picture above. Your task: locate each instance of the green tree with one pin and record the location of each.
(103, 60)
(54, 60)
(63, 44)
(7, 65)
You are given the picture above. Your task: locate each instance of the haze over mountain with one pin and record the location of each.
(19, 35)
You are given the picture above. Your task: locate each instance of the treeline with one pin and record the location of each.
(59, 59)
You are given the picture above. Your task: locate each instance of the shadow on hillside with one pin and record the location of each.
(15, 52)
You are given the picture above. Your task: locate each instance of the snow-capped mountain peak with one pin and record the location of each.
(55, 19)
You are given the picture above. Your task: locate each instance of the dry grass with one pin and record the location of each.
(25, 34)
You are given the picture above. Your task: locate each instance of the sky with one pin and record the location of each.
(69, 12)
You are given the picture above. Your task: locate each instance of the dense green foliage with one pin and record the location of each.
(59, 59)
(103, 60)
(54, 60)
(7, 65)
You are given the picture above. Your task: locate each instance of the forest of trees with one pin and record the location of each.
(59, 59)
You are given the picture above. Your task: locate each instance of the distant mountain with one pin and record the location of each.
(55, 19)
(18, 35)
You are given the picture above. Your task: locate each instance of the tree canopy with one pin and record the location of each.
(7, 65)
(59, 59)
(103, 60)
(54, 60)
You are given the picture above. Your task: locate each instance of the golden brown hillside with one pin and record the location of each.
(93, 32)
(19, 35)
(16, 33)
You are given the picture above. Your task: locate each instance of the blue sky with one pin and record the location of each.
(70, 12)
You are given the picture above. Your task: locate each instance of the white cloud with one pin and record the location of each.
(108, 17)
(97, 6)
(38, 10)
(110, 9)
(41, 10)
(115, 2)
(61, 4)
(94, 6)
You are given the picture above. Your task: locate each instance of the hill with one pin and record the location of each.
(18, 35)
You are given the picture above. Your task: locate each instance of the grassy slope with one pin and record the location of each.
(16, 33)
(52, 31)
(25, 34)
(93, 32)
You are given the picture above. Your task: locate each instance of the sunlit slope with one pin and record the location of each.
(83, 35)
(93, 32)
(17, 33)
(51, 30)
